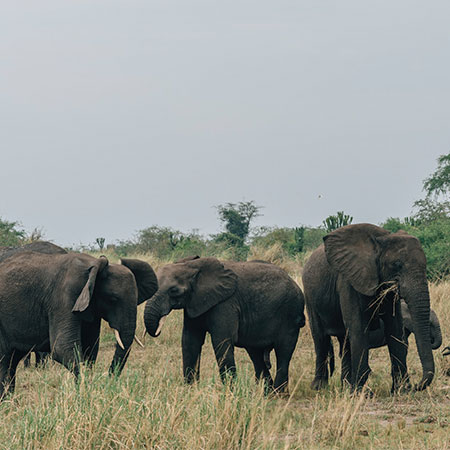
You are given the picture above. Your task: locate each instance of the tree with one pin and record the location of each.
(332, 223)
(100, 242)
(237, 218)
(432, 208)
(439, 182)
(10, 235)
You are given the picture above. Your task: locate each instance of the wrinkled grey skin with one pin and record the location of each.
(53, 301)
(378, 339)
(342, 282)
(254, 305)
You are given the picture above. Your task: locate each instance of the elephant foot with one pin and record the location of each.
(403, 387)
(319, 383)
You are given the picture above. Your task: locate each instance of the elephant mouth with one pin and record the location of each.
(160, 325)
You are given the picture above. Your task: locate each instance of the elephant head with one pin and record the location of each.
(112, 292)
(368, 256)
(193, 284)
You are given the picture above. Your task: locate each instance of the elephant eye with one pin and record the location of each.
(174, 290)
(397, 265)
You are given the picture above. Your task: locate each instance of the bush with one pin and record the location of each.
(292, 240)
(163, 242)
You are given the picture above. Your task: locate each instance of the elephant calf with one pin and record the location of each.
(254, 305)
(377, 337)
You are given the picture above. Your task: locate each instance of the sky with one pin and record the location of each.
(119, 115)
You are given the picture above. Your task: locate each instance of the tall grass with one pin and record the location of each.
(149, 406)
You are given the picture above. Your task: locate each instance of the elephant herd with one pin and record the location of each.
(364, 285)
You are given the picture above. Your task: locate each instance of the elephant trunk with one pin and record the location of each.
(419, 305)
(155, 310)
(436, 333)
(124, 337)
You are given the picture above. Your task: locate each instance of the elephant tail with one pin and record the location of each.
(331, 355)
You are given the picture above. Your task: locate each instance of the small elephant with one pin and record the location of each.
(377, 337)
(54, 301)
(346, 283)
(254, 305)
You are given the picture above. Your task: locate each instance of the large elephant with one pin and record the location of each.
(254, 305)
(53, 301)
(346, 283)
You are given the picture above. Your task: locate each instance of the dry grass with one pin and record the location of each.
(150, 407)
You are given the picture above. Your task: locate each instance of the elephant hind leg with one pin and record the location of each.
(258, 357)
(283, 351)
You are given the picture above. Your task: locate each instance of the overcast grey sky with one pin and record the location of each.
(118, 115)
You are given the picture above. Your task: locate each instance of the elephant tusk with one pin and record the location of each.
(119, 341)
(446, 351)
(161, 321)
(143, 335)
(138, 341)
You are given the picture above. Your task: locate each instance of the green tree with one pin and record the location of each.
(339, 220)
(237, 217)
(100, 241)
(439, 181)
(10, 234)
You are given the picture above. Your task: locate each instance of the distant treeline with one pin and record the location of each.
(430, 223)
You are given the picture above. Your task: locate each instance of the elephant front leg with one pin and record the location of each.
(224, 351)
(192, 342)
(65, 343)
(90, 340)
(346, 360)
(356, 320)
(398, 348)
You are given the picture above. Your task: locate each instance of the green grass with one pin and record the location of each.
(149, 406)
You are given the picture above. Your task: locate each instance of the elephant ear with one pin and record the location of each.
(352, 252)
(146, 281)
(83, 300)
(212, 284)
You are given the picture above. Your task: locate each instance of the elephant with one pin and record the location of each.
(354, 278)
(378, 339)
(254, 305)
(53, 301)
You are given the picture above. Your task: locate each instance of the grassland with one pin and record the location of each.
(150, 407)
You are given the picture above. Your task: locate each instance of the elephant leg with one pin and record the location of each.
(257, 355)
(192, 341)
(346, 360)
(283, 352)
(27, 360)
(398, 349)
(65, 343)
(90, 340)
(356, 316)
(8, 366)
(13, 363)
(224, 351)
(321, 347)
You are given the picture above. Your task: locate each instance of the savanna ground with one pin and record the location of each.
(150, 407)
